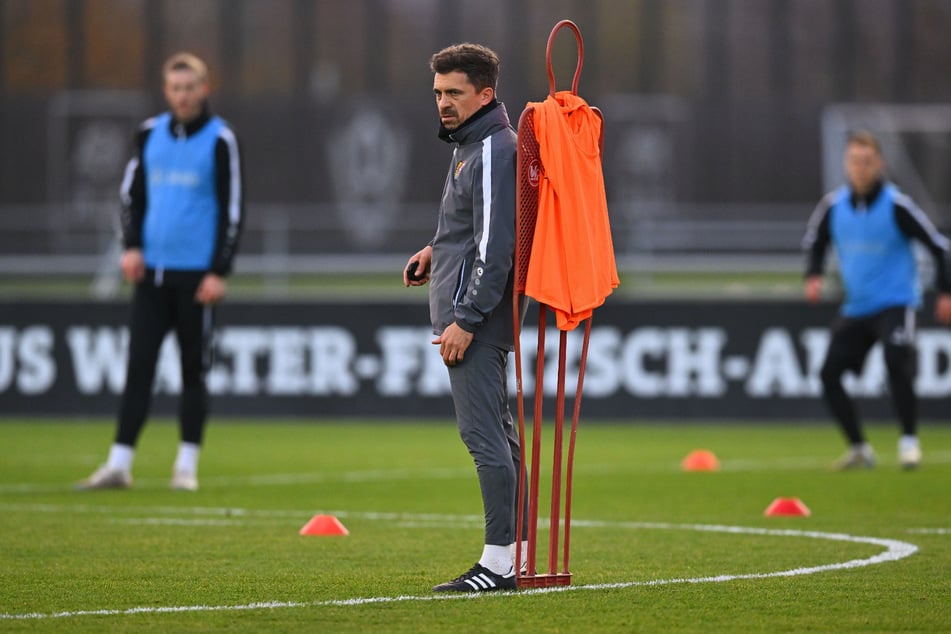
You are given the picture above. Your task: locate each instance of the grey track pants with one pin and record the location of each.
(480, 395)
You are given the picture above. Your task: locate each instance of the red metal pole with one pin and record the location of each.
(571, 441)
(536, 444)
(555, 522)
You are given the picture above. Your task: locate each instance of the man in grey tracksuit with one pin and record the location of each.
(468, 265)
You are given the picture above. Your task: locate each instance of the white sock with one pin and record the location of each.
(187, 460)
(907, 442)
(120, 457)
(497, 559)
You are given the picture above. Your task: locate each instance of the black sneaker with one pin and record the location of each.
(479, 579)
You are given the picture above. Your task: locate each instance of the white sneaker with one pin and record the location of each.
(184, 481)
(860, 457)
(909, 455)
(106, 478)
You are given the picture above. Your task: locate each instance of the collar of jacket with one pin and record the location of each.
(193, 126)
(478, 126)
(866, 200)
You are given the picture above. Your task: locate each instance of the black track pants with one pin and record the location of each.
(480, 396)
(163, 303)
(852, 338)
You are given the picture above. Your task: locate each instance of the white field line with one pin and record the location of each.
(230, 516)
(930, 531)
(176, 521)
(238, 513)
(894, 550)
(407, 523)
(273, 479)
(787, 463)
(799, 463)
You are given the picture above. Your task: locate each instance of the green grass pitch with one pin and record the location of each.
(654, 548)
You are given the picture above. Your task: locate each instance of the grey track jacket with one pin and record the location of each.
(471, 275)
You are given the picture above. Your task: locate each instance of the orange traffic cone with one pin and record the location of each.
(700, 460)
(787, 507)
(324, 525)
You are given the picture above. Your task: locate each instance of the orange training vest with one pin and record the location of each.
(572, 267)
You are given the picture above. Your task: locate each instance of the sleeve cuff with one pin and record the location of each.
(466, 326)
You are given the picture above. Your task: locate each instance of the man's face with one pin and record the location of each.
(863, 166)
(457, 99)
(185, 93)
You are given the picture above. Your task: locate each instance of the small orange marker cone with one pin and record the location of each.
(700, 460)
(324, 525)
(787, 507)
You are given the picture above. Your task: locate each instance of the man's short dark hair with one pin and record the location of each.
(866, 139)
(479, 63)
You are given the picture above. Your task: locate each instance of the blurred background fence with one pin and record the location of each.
(724, 118)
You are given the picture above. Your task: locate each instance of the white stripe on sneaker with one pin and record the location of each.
(480, 582)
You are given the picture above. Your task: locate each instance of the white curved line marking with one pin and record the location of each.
(894, 550)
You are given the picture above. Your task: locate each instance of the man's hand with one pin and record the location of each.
(133, 265)
(423, 259)
(211, 290)
(942, 309)
(813, 288)
(453, 343)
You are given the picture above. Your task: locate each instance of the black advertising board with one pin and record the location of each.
(647, 360)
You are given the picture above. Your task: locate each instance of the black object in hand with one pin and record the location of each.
(411, 272)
